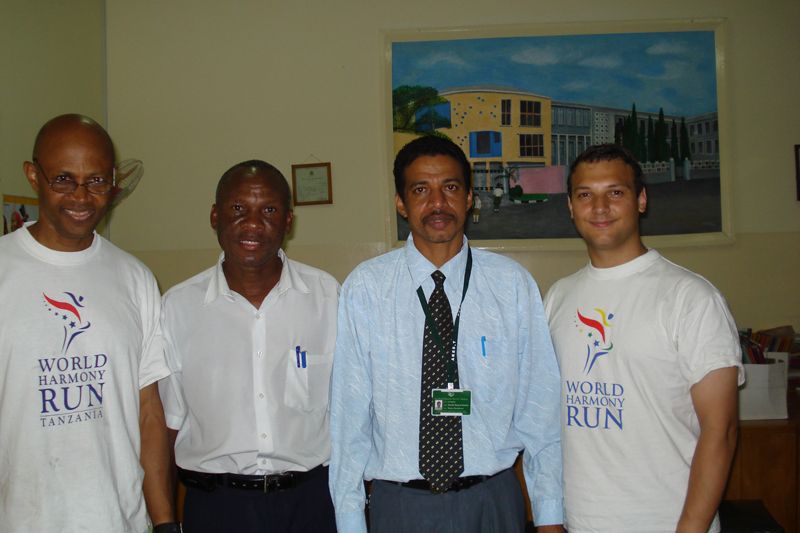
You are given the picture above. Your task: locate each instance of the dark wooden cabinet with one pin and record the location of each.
(766, 466)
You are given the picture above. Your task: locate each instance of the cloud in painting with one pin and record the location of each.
(576, 86)
(439, 59)
(662, 48)
(538, 56)
(607, 62)
(672, 70)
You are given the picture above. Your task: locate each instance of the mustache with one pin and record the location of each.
(438, 213)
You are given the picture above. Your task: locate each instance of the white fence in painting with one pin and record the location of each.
(666, 171)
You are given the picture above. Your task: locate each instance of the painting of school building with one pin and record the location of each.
(521, 137)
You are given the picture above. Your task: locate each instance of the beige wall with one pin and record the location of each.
(52, 61)
(195, 86)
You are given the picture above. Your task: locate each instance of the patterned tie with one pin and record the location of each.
(441, 449)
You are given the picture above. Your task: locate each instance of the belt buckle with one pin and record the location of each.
(208, 484)
(271, 483)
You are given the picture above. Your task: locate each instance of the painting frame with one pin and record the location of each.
(724, 235)
(797, 169)
(27, 211)
(312, 184)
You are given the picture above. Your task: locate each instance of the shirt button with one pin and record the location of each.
(258, 316)
(261, 396)
(263, 435)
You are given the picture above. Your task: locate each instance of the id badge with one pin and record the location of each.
(451, 402)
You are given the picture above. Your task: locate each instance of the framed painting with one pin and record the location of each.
(524, 102)
(17, 210)
(797, 168)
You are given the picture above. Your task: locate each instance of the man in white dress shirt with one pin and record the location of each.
(251, 343)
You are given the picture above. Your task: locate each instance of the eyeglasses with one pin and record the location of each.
(65, 184)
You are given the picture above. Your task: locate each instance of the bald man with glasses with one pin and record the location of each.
(83, 443)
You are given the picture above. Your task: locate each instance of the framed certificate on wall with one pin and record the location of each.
(311, 184)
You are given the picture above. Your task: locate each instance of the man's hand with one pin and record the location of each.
(155, 457)
(715, 401)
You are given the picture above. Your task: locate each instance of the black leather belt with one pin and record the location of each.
(266, 483)
(460, 483)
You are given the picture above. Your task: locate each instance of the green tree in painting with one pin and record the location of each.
(634, 135)
(641, 143)
(630, 133)
(685, 152)
(662, 150)
(430, 120)
(673, 142)
(407, 100)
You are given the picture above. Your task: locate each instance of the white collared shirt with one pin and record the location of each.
(249, 392)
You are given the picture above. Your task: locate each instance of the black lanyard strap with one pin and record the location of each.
(451, 363)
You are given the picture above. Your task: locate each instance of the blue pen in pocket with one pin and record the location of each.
(303, 356)
(297, 356)
(483, 345)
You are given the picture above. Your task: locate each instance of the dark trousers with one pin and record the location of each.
(493, 506)
(305, 508)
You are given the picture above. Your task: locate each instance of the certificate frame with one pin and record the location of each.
(312, 184)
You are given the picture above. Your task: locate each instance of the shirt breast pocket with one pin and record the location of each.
(495, 367)
(308, 379)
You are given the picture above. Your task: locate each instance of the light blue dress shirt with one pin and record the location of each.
(505, 357)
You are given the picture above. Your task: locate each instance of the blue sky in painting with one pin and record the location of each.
(673, 70)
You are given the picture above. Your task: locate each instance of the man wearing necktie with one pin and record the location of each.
(444, 372)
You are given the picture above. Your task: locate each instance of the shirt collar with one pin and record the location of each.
(421, 268)
(290, 279)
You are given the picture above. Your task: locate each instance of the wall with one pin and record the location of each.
(195, 86)
(52, 61)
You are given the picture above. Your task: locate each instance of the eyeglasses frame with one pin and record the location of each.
(86, 185)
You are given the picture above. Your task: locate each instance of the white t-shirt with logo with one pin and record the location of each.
(79, 337)
(631, 341)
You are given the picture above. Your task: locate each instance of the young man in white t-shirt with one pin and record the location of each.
(650, 365)
(83, 443)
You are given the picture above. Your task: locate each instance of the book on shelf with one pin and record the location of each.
(780, 339)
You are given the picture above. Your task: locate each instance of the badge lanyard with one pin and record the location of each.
(451, 364)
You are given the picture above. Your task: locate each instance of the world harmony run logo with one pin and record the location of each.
(70, 386)
(594, 404)
(597, 344)
(69, 315)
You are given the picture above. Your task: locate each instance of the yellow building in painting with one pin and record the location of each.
(498, 128)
